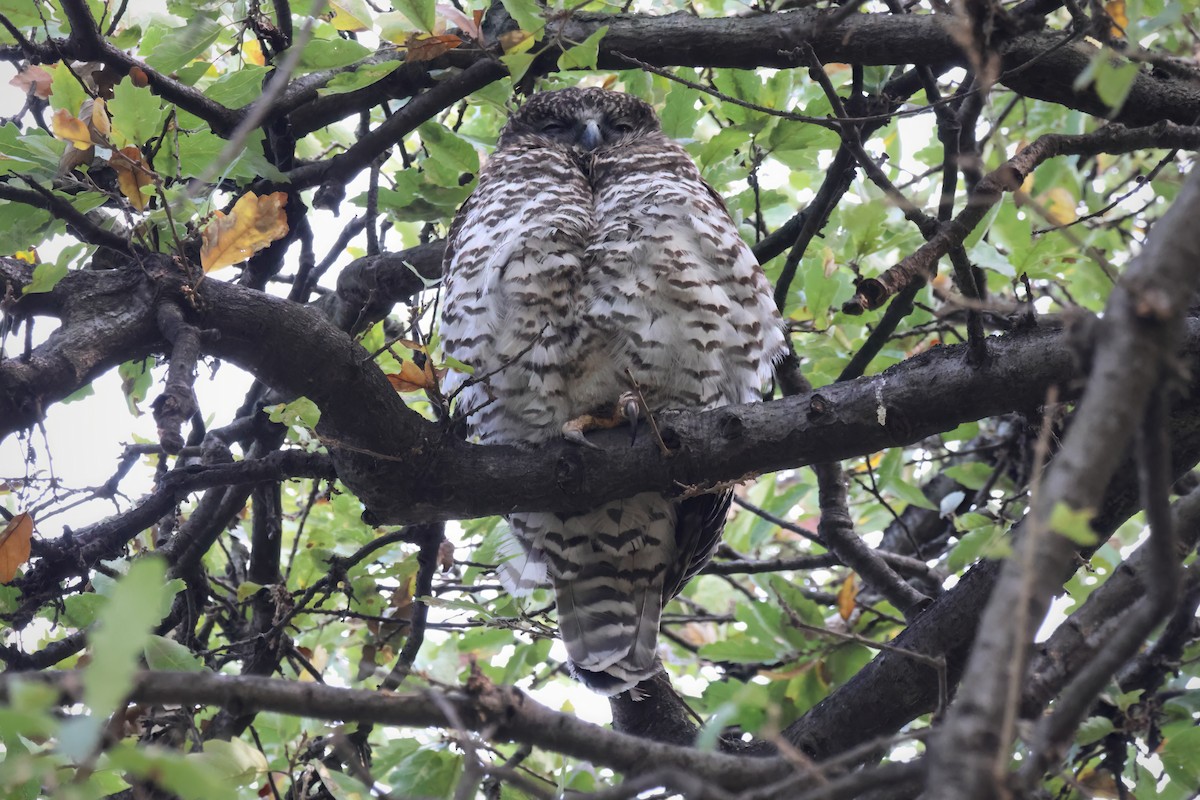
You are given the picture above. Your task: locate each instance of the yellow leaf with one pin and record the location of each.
(100, 123)
(1116, 12)
(349, 15)
(14, 546)
(252, 52)
(846, 596)
(71, 129)
(1059, 205)
(28, 256)
(516, 41)
(132, 174)
(253, 223)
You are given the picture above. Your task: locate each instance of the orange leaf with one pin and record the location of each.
(138, 77)
(253, 223)
(422, 47)
(14, 546)
(412, 378)
(71, 129)
(846, 596)
(1120, 19)
(132, 174)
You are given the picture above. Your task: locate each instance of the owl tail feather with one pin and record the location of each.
(610, 629)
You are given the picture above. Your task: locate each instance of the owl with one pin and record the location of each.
(593, 274)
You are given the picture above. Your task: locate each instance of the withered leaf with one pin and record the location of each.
(132, 174)
(846, 596)
(423, 47)
(253, 223)
(14, 546)
(33, 79)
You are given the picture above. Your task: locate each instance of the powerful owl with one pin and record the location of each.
(592, 274)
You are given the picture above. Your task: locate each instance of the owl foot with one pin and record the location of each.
(628, 409)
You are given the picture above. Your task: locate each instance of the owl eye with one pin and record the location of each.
(554, 128)
(623, 127)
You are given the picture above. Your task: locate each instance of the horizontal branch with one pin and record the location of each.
(503, 712)
(1037, 65)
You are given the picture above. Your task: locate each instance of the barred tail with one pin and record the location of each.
(609, 625)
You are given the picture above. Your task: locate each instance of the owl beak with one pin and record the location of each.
(591, 138)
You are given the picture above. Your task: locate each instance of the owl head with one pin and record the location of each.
(581, 118)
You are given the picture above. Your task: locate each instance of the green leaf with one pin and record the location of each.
(450, 156)
(1093, 729)
(426, 773)
(1075, 524)
(137, 114)
(174, 48)
(807, 610)
(120, 636)
(45, 277)
(1180, 755)
(37, 151)
(167, 654)
(518, 64)
(236, 88)
(1112, 76)
(421, 13)
(358, 79)
(80, 609)
(988, 542)
(233, 762)
(186, 776)
(332, 53)
(740, 650)
(682, 110)
(80, 393)
(584, 54)
(247, 589)
(527, 14)
(136, 378)
(973, 475)
(301, 412)
(65, 90)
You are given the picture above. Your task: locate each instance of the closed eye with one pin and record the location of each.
(623, 127)
(555, 127)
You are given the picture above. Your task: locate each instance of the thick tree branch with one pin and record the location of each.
(1136, 340)
(505, 713)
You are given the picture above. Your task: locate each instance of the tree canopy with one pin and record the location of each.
(960, 559)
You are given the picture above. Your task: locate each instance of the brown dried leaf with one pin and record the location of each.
(138, 77)
(412, 378)
(846, 596)
(445, 556)
(132, 174)
(14, 546)
(33, 79)
(253, 223)
(423, 47)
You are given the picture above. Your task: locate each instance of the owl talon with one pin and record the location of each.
(630, 405)
(573, 430)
